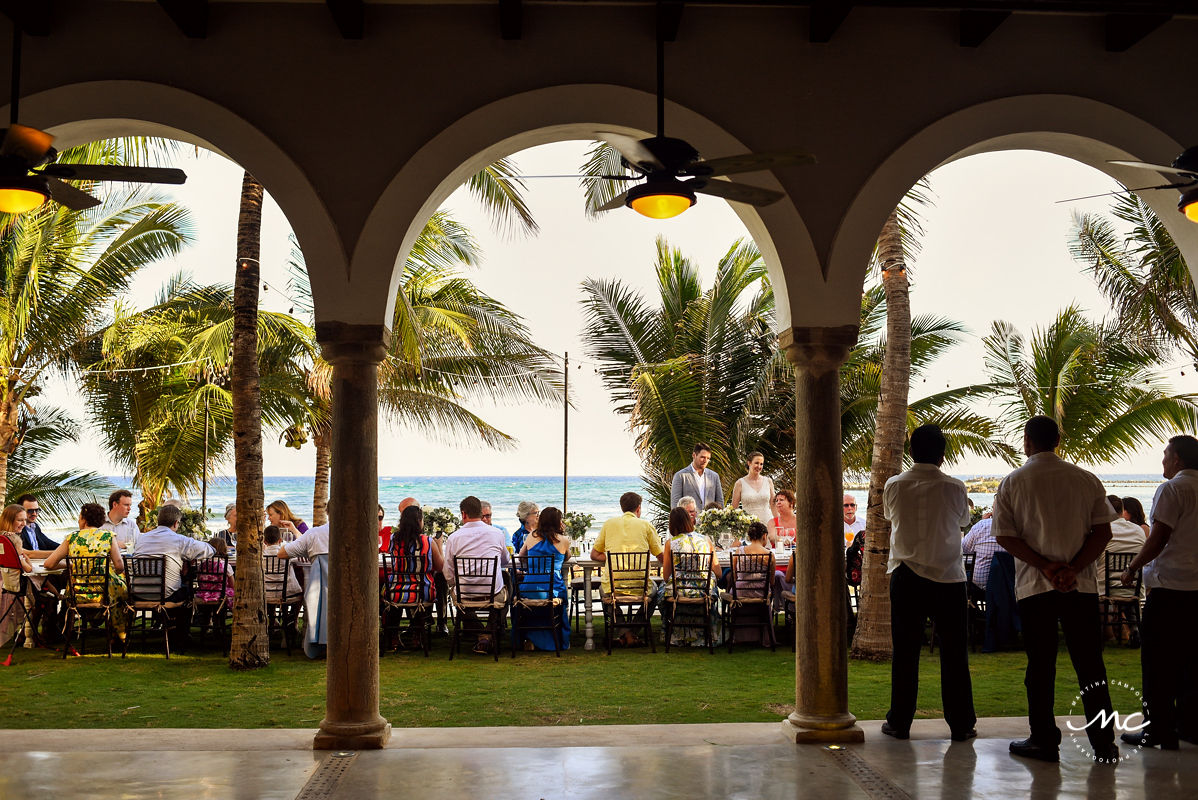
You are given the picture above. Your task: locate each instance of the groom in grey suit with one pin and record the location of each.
(697, 480)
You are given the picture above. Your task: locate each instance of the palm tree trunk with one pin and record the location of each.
(320, 492)
(872, 640)
(250, 648)
(9, 431)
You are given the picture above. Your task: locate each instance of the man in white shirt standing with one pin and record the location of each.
(1168, 632)
(123, 527)
(1054, 518)
(926, 509)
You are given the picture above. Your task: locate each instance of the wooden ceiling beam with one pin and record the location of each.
(191, 16)
(511, 19)
(977, 25)
(32, 18)
(350, 16)
(1123, 31)
(826, 16)
(669, 18)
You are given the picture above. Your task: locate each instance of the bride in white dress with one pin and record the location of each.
(755, 494)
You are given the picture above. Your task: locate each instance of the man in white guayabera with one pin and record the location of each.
(1169, 633)
(1054, 518)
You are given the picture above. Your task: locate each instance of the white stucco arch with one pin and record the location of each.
(1079, 128)
(84, 112)
(542, 116)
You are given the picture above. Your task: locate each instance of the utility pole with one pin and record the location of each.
(565, 432)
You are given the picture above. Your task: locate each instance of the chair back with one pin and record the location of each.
(147, 577)
(406, 579)
(629, 572)
(969, 559)
(213, 581)
(87, 581)
(752, 576)
(691, 575)
(1116, 564)
(476, 580)
(11, 570)
(274, 580)
(532, 576)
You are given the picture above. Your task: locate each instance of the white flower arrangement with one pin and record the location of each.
(577, 524)
(440, 522)
(715, 521)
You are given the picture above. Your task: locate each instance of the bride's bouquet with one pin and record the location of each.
(716, 521)
(440, 522)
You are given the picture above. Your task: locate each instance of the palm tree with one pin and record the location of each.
(154, 376)
(1142, 272)
(58, 269)
(60, 493)
(1103, 388)
(706, 365)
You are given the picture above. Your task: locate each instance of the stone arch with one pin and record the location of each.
(543, 116)
(1079, 128)
(83, 112)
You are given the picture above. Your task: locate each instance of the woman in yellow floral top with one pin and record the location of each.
(90, 541)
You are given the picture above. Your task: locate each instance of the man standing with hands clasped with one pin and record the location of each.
(1170, 562)
(926, 509)
(1055, 519)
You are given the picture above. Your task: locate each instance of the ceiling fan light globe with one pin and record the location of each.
(20, 195)
(661, 206)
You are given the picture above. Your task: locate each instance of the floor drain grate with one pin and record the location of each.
(869, 779)
(324, 780)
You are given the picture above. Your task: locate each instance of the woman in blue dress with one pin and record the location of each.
(547, 539)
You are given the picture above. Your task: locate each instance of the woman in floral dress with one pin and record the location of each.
(91, 541)
(683, 539)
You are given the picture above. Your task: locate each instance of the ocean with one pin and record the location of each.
(594, 494)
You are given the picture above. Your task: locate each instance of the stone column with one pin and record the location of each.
(821, 629)
(352, 720)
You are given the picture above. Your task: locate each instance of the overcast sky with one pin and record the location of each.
(995, 248)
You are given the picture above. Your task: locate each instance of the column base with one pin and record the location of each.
(797, 732)
(352, 736)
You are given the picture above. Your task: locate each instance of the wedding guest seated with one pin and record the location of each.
(37, 543)
(384, 532)
(272, 538)
(712, 504)
(757, 536)
(313, 545)
(229, 534)
(410, 539)
(627, 533)
(1133, 511)
(683, 539)
(488, 516)
(165, 540)
(548, 539)
(477, 539)
(527, 513)
(981, 542)
(92, 541)
(691, 507)
(291, 526)
(786, 524)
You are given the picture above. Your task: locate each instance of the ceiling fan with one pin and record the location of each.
(30, 175)
(671, 172)
(1185, 167)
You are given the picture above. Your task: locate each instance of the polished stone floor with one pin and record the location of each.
(693, 761)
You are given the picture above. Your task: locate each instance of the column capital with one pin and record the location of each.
(818, 347)
(344, 341)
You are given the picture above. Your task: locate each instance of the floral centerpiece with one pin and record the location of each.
(440, 522)
(716, 521)
(577, 524)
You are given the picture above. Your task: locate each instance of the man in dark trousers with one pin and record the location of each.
(1169, 636)
(927, 509)
(1054, 518)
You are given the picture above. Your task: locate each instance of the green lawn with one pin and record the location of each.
(630, 686)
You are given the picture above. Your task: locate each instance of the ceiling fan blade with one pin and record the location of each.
(28, 144)
(614, 203)
(69, 196)
(1154, 167)
(737, 192)
(1185, 185)
(115, 172)
(633, 150)
(577, 177)
(749, 162)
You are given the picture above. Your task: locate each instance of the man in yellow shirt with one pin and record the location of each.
(627, 533)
